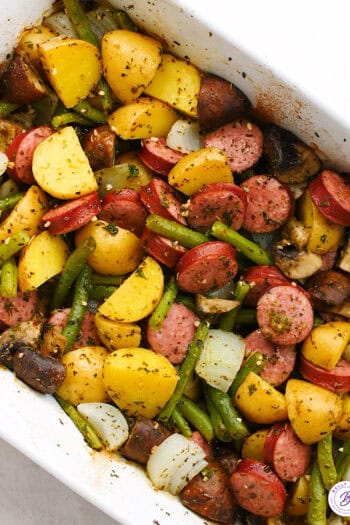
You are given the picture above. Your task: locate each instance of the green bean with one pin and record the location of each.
(6, 108)
(220, 430)
(174, 231)
(82, 27)
(7, 203)
(76, 315)
(8, 279)
(106, 280)
(70, 117)
(197, 417)
(13, 245)
(88, 111)
(181, 423)
(317, 321)
(316, 512)
(254, 363)
(232, 420)
(342, 461)
(227, 320)
(74, 265)
(164, 305)
(124, 21)
(326, 462)
(246, 316)
(101, 292)
(185, 371)
(80, 422)
(251, 250)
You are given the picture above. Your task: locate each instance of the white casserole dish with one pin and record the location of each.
(301, 83)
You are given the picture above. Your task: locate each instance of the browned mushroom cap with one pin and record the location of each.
(328, 288)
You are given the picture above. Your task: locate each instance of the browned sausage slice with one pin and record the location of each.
(336, 380)
(269, 204)
(88, 334)
(19, 308)
(242, 142)
(218, 201)
(286, 453)
(125, 209)
(208, 494)
(164, 250)
(219, 102)
(175, 333)
(280, 358)
(157, 156)
(257, 489)
(260, 279)
(285, 315)
(161, 198)
(144, 435)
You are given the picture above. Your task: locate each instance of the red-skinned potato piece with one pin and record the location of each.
(260, 279)
(219, 201)
(125, 209)
(164, 250)
(219, 102)
(242, 142)
(207, 266)
(257, 489)
(19, 308)
(337, 380)
(99, 145)
(270, 204)
(21, 152)
(73, 214)
(286, 454)
(330, 193)
(21, 84)
(157, 156)
(161, 198)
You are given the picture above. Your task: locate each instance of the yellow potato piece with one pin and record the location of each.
(324, 236)
(137, 296)
(116, 335)
(117, 251)
(177, 83)
(297, 503)
(43, 258)
(61, 168)
(147, 117)
(72, 66)
(30, 40)
(139, 381)
(342, 430)
(83, 382)
(259, 402)
(253, 445)
(26, 215)
(130, 61)
(201, 167)
(312, 410)
(326, 343)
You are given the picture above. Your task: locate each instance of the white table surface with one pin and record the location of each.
(31, 496)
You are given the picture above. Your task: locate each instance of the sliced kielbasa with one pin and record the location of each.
(257, 489)
(16, 309)
(209, 265)
(336, 380)
(175, 334)
(219, 102)
(100, 145)
(280, 358)
(161, 248)
(286, 454)
(144, 435)
(73, 214)
(42, 373)
(88, 334)
(328, 288)
(161, 198)
(124, 209)
(269, 204)
(208, 494)
(260, 278)
(203, 443)
(218, 201)
(157, 156)
(285, 315)
(330, 193)
(241, 141)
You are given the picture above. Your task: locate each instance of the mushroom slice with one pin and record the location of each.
(297, 233)
(215, 305)
(295, 264)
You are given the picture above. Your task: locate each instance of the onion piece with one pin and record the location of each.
(184, 136)
(108, 422)
(60, 24)
(101, 21)
(221, 358)
(215, 305)
(175, 462)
